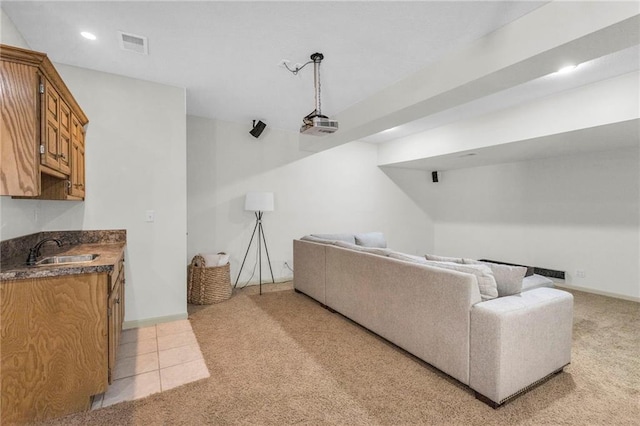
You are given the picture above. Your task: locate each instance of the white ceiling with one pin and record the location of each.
(227, 54)
(604, 67)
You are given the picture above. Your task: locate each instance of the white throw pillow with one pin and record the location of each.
(509, 278)
(536, 281)
(486, 281)
(371, 239)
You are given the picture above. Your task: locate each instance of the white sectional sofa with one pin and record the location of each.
(499, 347)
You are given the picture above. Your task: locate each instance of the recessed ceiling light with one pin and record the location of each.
(567, 69)
(88, 35)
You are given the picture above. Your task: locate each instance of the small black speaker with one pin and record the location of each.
(434, 176)
(258, 128)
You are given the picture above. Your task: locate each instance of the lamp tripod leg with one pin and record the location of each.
(259, 216)
(261, 232)
(245, 255)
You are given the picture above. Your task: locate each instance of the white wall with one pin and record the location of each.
(9, 34)
(17, 217)
(338, 190)
(135, 161)
(567, 213)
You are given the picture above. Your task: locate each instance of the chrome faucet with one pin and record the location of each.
(35, 251)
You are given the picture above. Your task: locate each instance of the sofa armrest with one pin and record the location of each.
(519, 340)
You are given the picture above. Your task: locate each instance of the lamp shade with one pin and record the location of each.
(259, 201)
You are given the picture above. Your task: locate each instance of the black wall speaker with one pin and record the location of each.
(258, 128)
(434, 176)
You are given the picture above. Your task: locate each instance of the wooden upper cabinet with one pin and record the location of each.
(56, 130)
(19, 132)
(42, 130)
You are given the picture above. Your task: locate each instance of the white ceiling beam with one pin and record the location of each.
(604, 103)
(533, 46)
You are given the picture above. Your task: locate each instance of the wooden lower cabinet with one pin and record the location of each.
(58, 341)
(115, 314)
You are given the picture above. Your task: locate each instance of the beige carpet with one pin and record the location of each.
(280, 358)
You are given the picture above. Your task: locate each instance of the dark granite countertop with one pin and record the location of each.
(109, 249)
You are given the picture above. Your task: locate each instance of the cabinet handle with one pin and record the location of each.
(64, 157)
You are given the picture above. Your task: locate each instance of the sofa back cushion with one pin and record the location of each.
(349, 238)
(412, 305)
(371, 250)
(486, 281)
(444, 258)
(509, 278)
(407, 257)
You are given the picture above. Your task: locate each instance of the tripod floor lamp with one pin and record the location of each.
(258, 202)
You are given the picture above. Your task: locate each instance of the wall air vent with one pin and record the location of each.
(133, 43)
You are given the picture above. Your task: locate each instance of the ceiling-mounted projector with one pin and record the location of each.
(315, 123)
(318, 126)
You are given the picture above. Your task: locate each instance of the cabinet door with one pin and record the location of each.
(51, 126)
(77, 158)
(64, 143)
(116, 316)
(19, 130)
(54, 346)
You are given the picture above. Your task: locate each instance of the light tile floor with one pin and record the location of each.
(154, 359)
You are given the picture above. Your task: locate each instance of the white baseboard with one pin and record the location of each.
(153, 321)
(601, 293)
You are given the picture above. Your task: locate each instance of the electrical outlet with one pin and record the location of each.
(150, 216)
(581, 274)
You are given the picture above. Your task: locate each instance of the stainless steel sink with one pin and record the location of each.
(61, 260)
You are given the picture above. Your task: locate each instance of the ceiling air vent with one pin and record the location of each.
(133, 43)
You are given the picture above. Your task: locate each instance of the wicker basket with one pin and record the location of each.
(207, 285)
